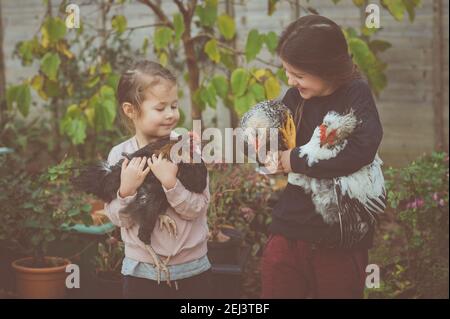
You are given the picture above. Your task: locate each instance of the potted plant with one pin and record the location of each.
(224, 239)
(239, 210)
(238, 216)
(37, 207)
(107, 263)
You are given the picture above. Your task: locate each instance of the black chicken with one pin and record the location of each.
(103, 181)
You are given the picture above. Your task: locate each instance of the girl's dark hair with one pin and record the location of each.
(135, 81)
(317, 45)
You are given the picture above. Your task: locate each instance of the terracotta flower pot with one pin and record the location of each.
(44, 283)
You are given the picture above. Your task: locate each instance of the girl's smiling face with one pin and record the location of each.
(159, 110)
(308, 85)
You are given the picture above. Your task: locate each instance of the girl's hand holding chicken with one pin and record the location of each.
(132, 175)
(164, 170)
(278, 163)
(285, 161)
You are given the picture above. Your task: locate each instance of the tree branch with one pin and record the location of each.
(159, 13)
(191, 9)
(181, 7)
(231, 49)
(145, 26)
(188, 12)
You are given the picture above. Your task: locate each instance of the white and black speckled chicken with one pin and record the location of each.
(263, 117)
(353, 201)
(103, 181)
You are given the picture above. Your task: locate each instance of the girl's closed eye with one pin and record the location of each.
(298, 76)
(160, 107)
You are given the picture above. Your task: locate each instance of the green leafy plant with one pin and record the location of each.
(239, 199)
(242, 198)
(38, 208)
(208, 38)
(413, 249)
(79, 68)
(78, 73)
(240, 84)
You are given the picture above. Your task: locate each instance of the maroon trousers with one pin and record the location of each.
(297, 269)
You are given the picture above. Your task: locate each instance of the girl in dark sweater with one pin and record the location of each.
(302, 258)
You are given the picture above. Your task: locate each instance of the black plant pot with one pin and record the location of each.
(108, 286)
(226, 252)
(227, 279)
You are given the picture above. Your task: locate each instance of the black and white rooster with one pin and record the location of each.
(353, 201)
(103, 181)
(266, 125)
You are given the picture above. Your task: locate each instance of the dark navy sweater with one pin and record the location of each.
(294, 214)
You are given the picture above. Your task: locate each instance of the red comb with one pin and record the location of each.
(323, 133)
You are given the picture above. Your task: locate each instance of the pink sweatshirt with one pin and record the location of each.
(188, 210)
